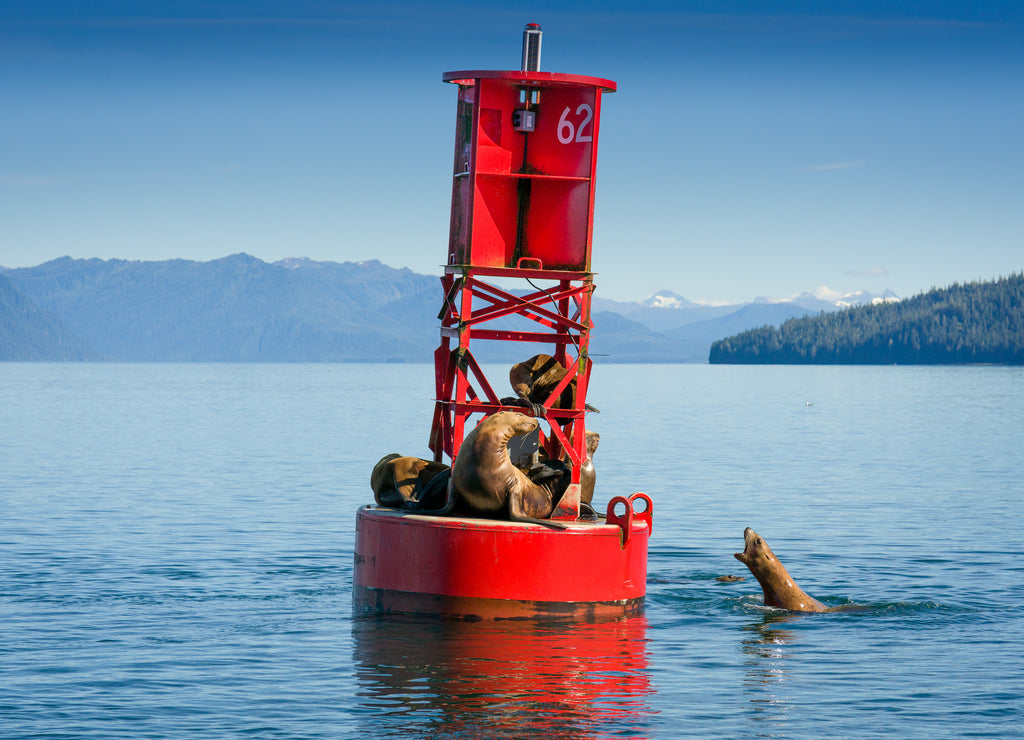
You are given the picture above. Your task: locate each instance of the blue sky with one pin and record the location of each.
(753, 148)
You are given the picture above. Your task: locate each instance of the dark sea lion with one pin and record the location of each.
(778, 586)
(398, 481)
(729, 579)
(487, 483)
(588, 475)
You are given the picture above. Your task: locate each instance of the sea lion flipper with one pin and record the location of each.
(517, 514)
(550, 523)
(433, 490)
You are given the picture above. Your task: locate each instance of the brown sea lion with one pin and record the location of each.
(779, 588)
(535, 379)
(487, 483)
(397, 481)
(588, 476)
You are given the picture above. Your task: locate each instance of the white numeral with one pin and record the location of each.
(567, 132)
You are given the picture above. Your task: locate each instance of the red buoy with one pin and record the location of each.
(522, 210)
(491, 569)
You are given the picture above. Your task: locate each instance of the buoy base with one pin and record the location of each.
(475, 569)
(382, 601)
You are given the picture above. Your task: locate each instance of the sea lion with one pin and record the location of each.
(588, 476)
(487, 483)
(398, 482)
(535, 379)
(779, 588)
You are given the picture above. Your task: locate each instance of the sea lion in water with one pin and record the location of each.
(779, 588)
(398, 482)
(487, 483)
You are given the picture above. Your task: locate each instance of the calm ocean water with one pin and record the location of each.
(176, 559)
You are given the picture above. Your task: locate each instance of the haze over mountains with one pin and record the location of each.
(241, 309)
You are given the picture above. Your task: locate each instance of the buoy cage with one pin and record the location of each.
(472, 568)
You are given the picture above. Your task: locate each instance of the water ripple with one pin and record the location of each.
(177, 560)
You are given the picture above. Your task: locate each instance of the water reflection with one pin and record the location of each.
(434, 678)
(765, 647)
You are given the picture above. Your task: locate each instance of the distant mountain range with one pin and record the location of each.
(241, 309)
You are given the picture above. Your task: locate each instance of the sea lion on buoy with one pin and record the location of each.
(588, 476)
(398, 481)
(535, 379)
(487, 483)
(778, 586)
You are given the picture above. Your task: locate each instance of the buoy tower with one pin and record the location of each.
(518, 272)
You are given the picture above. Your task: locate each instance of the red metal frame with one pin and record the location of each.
(461, 385)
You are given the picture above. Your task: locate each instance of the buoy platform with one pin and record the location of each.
(472, 568)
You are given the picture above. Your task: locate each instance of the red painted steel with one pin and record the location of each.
(406, 562)
(525, 199)
(462, 388)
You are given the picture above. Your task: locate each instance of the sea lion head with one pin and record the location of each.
(756, 553)
(381, 477)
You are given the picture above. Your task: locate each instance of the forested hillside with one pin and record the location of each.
(236, 309)
(27, 333)
(971, 323)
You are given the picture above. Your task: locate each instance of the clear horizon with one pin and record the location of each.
(753, 148)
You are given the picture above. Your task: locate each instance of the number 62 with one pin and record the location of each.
(568, 132)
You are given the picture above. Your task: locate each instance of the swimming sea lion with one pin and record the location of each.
(779, 588)
(398, 481)
(487, 483)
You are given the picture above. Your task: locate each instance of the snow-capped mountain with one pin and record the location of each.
(697, 325)
(668, 310)
(824, 298)
(667, 299)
